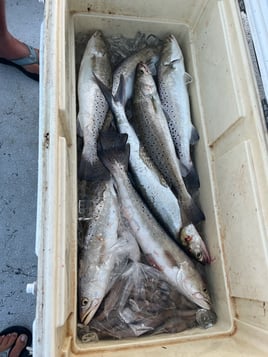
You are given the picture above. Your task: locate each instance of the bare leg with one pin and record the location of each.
(10, 47)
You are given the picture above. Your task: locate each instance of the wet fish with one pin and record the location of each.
(152, 128)
(96, 253)
(160, 251)
(191, 240)
(128, 66)
(92, 104)
(150, 182)
(172, 85)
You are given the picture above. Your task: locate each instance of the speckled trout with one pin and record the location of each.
(160, 251)
(97, 249)
(172, 86)
(92, 104)
(152, 128)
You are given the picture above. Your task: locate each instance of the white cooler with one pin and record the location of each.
(231, 159)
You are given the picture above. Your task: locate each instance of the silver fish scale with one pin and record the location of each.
(172, 112)
(168, 107)
(154, 147)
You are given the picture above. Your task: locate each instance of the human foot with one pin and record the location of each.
(7, 341)
(12, 49)
(13, 341)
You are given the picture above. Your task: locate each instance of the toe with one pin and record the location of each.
(19, 346)
(33, 68)
(6, 341)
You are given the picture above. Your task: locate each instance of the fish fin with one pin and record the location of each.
(111, 139)
(152, 66)
(120, 95)
(109, 121)
(92, 171)
(194, 136)
(105, 90)
(188, 78)
(112, 147)
(191, 179)
(184, 169)
(79, 128)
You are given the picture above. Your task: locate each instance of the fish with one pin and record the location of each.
(151, 126)
(191, 240)
(149, 55)
(160, 251)
(97, 258)
(172, 85)
(146, 176)
(92, 104)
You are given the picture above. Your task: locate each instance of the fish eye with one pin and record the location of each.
(205, 290)
(199, 255)
(84, 301)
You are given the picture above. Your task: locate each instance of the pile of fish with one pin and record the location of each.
(137, 230)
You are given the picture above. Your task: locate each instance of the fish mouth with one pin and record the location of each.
(176, 54)
(87, 316)
(170, 38)
(206, 258)
(143, 66)
(205, 304)
(202, 301)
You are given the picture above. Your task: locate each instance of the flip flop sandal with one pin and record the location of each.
(19, 330)
(32, 58)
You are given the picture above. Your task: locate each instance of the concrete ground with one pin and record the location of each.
(18, 172)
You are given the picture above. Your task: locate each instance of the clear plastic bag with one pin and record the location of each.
(140, 302)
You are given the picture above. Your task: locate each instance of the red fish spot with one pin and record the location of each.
(151, 261)
(188, 238)
(171, 258)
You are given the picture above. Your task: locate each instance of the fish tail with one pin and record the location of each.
(91, 171)
(193, 212)
(151, 63)
(112, 147)
(194, 136)
(191, 179)
(120, 95)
